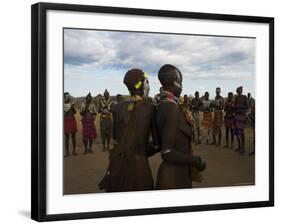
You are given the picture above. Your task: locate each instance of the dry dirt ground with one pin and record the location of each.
(225, 167)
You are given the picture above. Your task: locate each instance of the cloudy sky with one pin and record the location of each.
(95, 60)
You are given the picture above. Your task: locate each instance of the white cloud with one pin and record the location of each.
(198, 57)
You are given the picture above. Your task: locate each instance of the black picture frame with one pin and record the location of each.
(38, 115)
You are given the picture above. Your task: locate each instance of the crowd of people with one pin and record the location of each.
(142, 127)
(233, 112)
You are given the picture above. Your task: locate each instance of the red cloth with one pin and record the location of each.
(70, 125)
(89, 129)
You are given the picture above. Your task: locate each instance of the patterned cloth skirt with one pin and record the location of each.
(70, 125)
(207, 122)
(217, 122)
(228, 122)
(239, 123)
(89, 129)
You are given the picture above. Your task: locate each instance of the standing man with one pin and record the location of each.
(70, 126)
(218, 105)
(252, 118)
(118, 98)
(251, 111)
(185, 107)
(196, 105)
(88, 113)
(128, 168)
(105, 119)
(207, 122)
(116, 118)
(228, 120)
(241, 107)
(186, 102)
(175, 134)
(251, 102)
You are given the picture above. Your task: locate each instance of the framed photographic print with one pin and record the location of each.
(140, 111)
